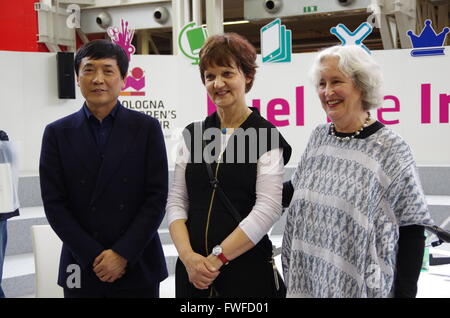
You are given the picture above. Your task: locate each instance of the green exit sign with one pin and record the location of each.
(309, 9)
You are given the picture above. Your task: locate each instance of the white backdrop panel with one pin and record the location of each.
(175, 95)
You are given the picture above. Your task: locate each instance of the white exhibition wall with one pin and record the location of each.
(417, 92)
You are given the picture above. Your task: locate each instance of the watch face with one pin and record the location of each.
(217, 250)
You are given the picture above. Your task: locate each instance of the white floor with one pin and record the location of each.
(435, 283)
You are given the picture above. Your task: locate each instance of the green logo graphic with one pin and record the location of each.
(191, 40)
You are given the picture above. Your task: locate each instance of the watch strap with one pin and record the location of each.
(222, 257)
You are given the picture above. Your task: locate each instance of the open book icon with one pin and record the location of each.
(276, 43)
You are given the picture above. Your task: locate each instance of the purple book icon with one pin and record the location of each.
(136, 80)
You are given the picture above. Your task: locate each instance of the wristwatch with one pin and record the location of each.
(217, 251)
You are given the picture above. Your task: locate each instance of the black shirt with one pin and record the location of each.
(101, 130)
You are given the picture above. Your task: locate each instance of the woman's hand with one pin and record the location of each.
(215, 261)
(200, 270)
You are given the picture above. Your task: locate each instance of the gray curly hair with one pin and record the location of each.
(357, 64)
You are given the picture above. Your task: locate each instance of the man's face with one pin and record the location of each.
(100, 82)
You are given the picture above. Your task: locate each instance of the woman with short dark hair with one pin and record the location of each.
(219, 220)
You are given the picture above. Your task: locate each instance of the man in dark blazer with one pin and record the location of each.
(103, 174)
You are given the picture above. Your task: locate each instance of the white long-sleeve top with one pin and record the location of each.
(269, 186)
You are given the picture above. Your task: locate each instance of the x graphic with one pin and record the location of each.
(352, 38)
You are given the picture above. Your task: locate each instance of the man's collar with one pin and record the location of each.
(112, 113)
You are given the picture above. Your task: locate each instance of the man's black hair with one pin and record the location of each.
(102, 49)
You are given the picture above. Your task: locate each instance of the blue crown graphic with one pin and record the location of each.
(428, 42)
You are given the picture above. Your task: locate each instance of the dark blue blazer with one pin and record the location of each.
(117, 204)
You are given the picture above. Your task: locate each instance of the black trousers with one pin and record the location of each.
(152, 292)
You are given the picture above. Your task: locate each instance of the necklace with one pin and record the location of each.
(356, 133)
(231, 129)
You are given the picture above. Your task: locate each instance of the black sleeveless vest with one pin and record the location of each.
(209, 222)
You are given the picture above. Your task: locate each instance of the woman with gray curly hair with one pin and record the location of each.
(357, 209)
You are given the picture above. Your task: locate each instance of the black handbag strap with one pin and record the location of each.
(216, 185)
(225, 200)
